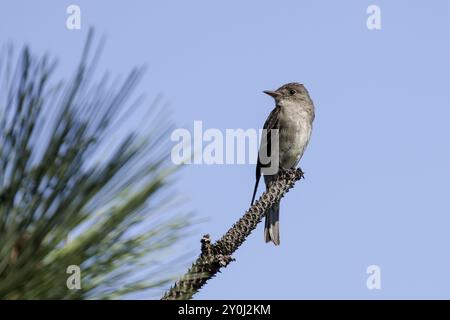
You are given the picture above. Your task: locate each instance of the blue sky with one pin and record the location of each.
(377, 168)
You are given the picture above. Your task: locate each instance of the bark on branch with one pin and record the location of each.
(215, 256)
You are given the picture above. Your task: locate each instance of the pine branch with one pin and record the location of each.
(215, 256)
(84, 181)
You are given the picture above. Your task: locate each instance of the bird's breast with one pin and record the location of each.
(294, 135)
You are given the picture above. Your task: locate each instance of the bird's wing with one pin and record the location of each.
(272, 122)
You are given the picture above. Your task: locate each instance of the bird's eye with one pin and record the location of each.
(291, 92)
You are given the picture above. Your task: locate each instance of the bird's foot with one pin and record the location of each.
(301, 173)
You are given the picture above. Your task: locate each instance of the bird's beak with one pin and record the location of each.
(273, 94)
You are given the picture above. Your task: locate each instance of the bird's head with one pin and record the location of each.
(290, 93)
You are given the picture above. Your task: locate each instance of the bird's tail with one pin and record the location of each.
(272, 228)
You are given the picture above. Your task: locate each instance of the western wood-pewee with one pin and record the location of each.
(290, 122)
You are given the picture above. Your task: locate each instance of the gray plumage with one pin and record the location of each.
(292, 117)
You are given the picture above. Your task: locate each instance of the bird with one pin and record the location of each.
(286, 134)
